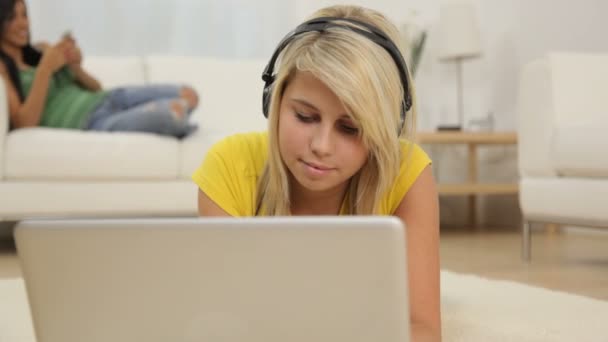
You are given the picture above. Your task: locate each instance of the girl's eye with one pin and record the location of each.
(349, 129)
(304, 118)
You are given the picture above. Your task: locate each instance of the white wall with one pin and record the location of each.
(223, 28)
(513, 31)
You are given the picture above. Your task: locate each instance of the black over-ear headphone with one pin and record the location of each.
(320, 25)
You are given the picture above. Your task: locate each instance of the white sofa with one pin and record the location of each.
(65, 173)
(563, 141)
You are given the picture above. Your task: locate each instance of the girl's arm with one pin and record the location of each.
(419, 210)
(85, 79)
(28, 112)
(206, 207)
(74, 57)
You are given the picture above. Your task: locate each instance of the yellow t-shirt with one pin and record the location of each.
(229, 173)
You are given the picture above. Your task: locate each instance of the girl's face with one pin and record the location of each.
(318, 142)
(16, 29)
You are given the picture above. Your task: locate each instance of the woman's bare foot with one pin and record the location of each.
(189, 94)
(178, 107)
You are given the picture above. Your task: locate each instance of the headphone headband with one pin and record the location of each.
(322, 24)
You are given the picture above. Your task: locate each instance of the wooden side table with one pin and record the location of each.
(472, 187)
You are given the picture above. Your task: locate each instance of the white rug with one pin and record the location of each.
(473, 309)
(478, 309)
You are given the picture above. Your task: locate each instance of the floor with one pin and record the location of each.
(571, 262)
(574, 262)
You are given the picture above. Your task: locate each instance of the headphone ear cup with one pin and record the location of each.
(266, 100)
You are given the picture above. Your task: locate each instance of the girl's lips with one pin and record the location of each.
(318, 167)
(316, 171)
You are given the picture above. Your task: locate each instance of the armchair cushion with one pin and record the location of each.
(580, 150)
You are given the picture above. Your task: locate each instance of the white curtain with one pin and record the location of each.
(222, 28)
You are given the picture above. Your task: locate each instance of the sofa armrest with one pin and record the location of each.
(3, 125)
(536, 119)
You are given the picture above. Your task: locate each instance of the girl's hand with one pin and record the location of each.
(54, 57)
(73, 52)
(74, 56)
(41, 46)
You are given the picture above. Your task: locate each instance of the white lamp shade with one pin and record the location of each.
(459, 35)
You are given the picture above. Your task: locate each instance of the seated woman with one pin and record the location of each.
(339, 107)
(48, 87)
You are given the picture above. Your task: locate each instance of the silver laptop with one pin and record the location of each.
(216, 279)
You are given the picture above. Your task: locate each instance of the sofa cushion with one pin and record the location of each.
(230, 92)
(21, 199)
(116, 71)
(579, 150)
(72, 155)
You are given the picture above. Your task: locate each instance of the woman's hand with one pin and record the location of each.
(73, 58)
(72, 51)
(54, 57)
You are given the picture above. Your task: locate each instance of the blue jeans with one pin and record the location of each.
(142, 109)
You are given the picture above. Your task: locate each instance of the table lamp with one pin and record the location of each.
(459, 39)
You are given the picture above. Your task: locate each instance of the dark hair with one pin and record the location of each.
(31, 56)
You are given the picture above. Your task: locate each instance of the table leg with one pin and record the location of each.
(551, 228)
(472, 180)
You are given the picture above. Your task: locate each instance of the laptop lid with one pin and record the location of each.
(216, 279)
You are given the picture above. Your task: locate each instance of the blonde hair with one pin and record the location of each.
(366, 79)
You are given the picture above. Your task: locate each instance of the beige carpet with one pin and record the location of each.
(473, 308)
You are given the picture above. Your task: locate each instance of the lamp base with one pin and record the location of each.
(449, 128)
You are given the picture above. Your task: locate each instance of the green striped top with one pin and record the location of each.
(67, 104)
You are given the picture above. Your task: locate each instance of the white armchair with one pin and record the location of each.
(563, 142)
